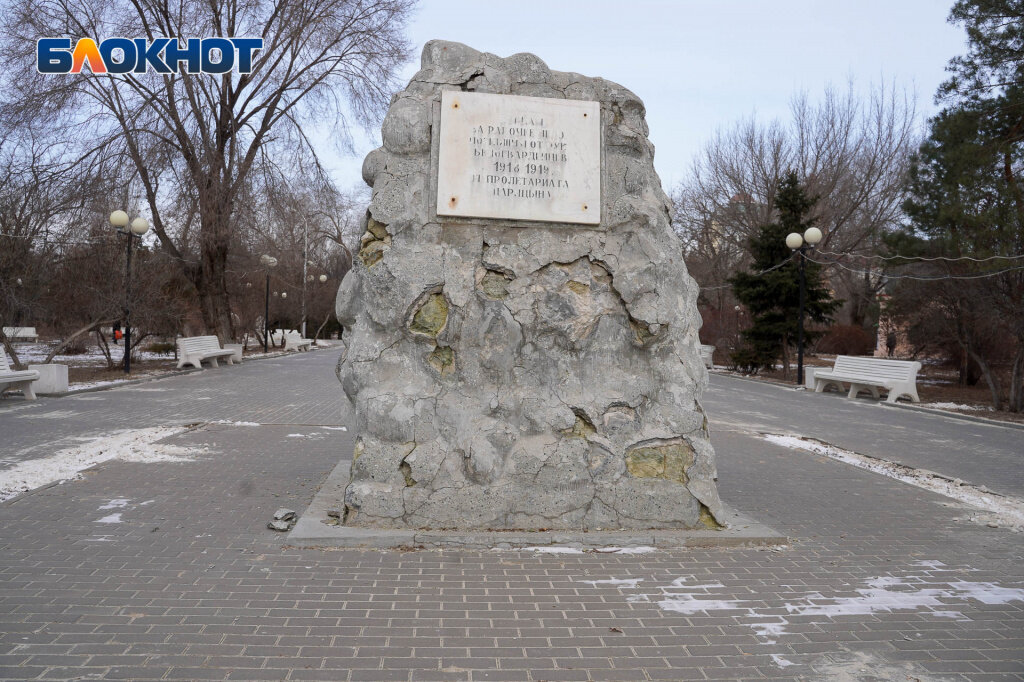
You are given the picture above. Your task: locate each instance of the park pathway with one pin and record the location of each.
(983, 454)
(166, 570)
(292, 389)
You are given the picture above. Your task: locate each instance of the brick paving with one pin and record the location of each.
(291, 389)
(880, 582)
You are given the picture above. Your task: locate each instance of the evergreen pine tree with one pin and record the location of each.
(773, 297)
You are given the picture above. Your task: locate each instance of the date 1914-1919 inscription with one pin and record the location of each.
(519, 158)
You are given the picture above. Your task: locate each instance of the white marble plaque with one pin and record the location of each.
(519, 158)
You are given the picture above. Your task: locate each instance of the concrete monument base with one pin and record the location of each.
(316, 529)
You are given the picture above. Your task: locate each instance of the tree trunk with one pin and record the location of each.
(63, 344)
(785, 356)
(990, 378)
(15, 361)
(1017, 381)
(214, 301)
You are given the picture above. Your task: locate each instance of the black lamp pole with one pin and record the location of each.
(801, 244)
(800, 329)
(127, 311)
(136, 228)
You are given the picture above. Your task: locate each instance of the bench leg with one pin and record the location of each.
(29, 392)
(213, 363)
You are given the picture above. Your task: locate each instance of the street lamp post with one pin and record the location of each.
(802, 244)
(267, 262)
(137, 228)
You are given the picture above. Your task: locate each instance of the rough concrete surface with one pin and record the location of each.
(521, 376)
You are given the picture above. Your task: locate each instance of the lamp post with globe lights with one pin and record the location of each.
(267, 262)
(802, 244)
(137, 228)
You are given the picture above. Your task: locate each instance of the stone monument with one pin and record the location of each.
(520, 332)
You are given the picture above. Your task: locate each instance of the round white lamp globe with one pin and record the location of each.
(323, 278)
(812, 235)
(284, 294)
(794, 240)
(140, 226)
(118, 218)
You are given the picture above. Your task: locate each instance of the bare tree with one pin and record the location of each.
(189, 142)
(850, 152)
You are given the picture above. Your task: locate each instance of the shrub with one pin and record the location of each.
(161, 347)
(846, 339)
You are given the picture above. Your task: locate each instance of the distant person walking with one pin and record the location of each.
(890, 343)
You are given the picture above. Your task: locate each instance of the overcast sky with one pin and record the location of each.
(702, 64)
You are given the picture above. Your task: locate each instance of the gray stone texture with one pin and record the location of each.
(504, 375)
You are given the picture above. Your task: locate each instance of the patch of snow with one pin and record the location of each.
(881, 594)
(113, 518)
(780, 661)
(929, 564)
(335, 428)
(1004, 511)
(135, 445)
(643, 549)
(296, 435)
(554, 550)
(622, 582)
(231, 423)
(956, 406)
(688, 605)
(116, 503)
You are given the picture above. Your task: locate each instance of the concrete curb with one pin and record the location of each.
(312, 531)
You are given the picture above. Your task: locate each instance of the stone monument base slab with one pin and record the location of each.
(313, 530)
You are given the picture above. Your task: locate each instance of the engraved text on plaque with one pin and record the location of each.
(519, 158)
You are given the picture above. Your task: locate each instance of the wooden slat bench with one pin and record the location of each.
(193, 350)
(16, 379)
(899, 377)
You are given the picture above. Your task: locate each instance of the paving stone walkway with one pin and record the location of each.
(166, 570)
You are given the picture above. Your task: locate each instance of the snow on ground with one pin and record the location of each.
(619, 582)
(92, 357)
(643, 549)
(1002, 510)
(956, 406)
(134, 445)
(935, 591)
(559, 549)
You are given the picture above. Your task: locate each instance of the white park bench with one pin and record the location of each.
(16, 379)
(21, 334)
(899, 377)
(707, 354)
(193, 350)
(294, 341)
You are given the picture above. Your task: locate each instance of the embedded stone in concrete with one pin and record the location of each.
(521, 374)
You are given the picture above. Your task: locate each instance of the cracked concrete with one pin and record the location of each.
(522, 363)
